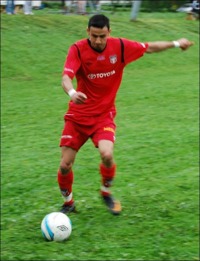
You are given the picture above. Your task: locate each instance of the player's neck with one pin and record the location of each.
(96, 50)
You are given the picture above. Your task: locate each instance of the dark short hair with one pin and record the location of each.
(99, 21)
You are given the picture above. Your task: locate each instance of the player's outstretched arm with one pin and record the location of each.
(160, 46)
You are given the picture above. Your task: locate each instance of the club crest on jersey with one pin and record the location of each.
(113, 59)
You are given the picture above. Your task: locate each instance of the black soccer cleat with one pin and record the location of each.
(68, 208)
(113, 205)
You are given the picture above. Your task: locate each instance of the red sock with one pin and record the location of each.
(65, 183)
(107, 175)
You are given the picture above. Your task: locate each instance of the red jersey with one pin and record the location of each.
(99, 74)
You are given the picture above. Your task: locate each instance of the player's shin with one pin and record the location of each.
(65, 183)
(107, 175)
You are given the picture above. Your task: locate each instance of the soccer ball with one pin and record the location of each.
(56, 226)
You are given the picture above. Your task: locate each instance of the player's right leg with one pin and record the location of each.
(65, 178)
(71, 141)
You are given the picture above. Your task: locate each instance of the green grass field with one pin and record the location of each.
(157, 146)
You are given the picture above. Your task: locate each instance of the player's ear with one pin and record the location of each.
(109, 31)
(88, 30)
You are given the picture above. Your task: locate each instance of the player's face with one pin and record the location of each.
(98, 37)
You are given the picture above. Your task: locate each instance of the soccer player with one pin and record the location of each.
(97, 63)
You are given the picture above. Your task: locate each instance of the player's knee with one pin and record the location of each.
(107, 157)
(65, 168)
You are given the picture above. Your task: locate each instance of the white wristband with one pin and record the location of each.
(71, 92)
(176, 44)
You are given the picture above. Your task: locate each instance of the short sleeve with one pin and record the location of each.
(72, 62)
(133, 50)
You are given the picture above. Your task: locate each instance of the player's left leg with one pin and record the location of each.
(107, 165)
(107, 171)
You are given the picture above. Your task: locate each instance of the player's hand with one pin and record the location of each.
(185, 43)
(79, 98)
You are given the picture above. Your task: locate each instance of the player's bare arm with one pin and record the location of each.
(160, 46)
(76, 97)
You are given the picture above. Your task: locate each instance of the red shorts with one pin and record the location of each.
(77, 131)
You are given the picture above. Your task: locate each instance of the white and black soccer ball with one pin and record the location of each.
(56, 226)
